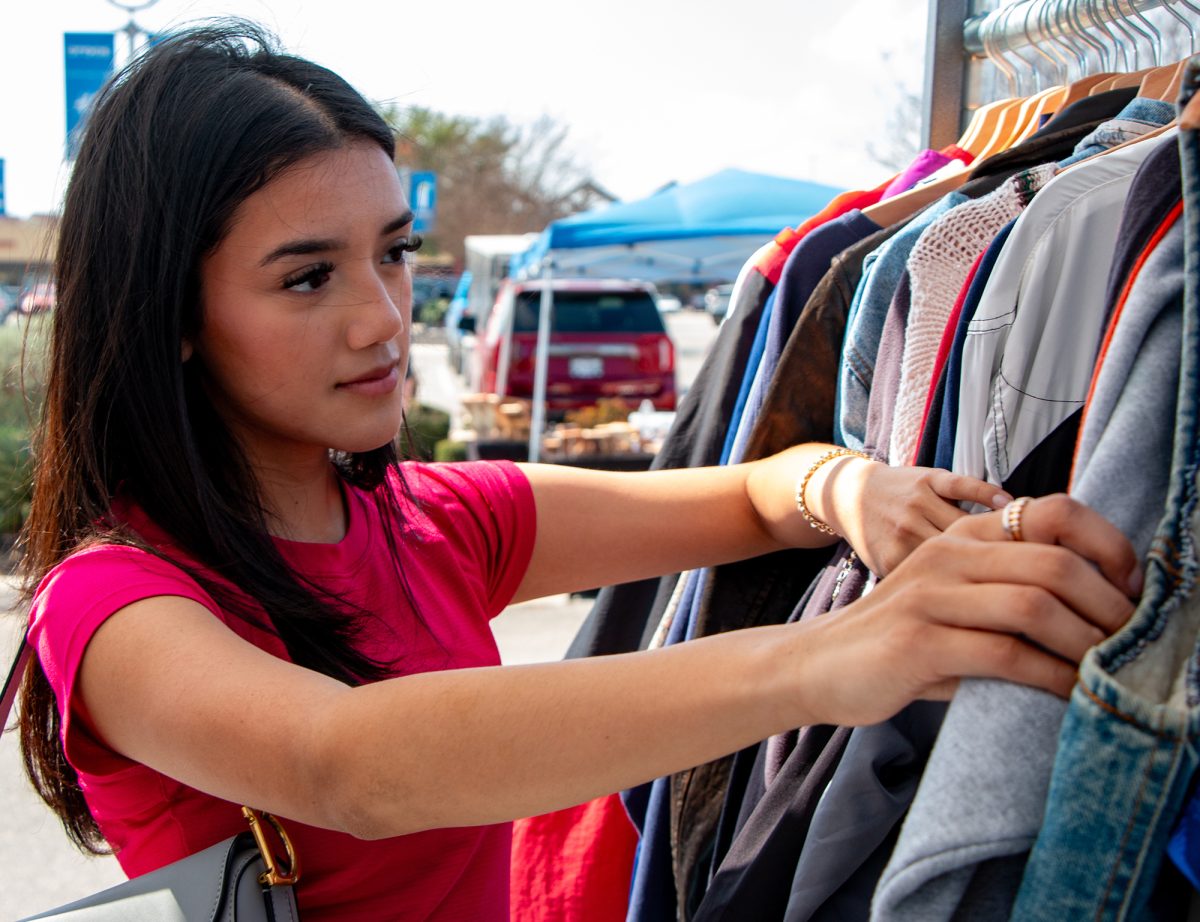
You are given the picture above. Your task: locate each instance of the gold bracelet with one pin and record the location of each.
(801, 505)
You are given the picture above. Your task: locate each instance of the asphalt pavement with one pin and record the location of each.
(42, 869)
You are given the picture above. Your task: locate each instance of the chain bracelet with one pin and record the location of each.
(802, 486)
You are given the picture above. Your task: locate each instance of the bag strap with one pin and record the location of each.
(13, 682)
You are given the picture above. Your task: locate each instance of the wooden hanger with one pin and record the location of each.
(1163, 82)
(903, 206)
(1171, 93)
(982, 126)
(1005, 128)
(1083, 86)
(1121, 81)
(1048, 101)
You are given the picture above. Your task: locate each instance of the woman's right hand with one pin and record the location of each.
(971, 602)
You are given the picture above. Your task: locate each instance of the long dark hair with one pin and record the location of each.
(173, 145)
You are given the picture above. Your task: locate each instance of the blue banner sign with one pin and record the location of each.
(89, 61)
(422, 198)
(3, 210)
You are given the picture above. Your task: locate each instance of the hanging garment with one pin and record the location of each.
(857, 369)
(947, 417)
(804, 270)
(655, 883)
(1139, 117)
(847, 846)
(1098, 108)
(867, 856)
(981, 801)
(763, 590)
(937, 267)
(1101, 849)
(771, 259)
(925, 165)
(1029, 352)
(881, 274)
(755, 874)
(931, 417)
(624, 617)
(759, 591)
(576, 865)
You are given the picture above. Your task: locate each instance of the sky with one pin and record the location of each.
(651, 90)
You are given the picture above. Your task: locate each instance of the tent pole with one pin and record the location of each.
(505, 360)
(542, 361)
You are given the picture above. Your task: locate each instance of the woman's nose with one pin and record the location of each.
(382, 315)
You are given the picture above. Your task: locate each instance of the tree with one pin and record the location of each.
(494, 177)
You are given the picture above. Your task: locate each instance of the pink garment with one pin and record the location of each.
(465, 543)
(926, 163)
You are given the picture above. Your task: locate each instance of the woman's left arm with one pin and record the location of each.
(596, 528)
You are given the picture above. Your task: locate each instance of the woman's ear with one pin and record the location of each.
(185, 350)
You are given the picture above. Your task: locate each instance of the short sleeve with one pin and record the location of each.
(495, 498)
(70, 604)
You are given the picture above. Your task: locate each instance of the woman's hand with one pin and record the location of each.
(884, 512)
(970, 602)
(887, 512)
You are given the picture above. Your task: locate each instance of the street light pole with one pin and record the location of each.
(131, 29)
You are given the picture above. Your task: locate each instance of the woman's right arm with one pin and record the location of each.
(169, 686)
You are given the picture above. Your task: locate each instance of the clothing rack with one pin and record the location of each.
(1067, 37)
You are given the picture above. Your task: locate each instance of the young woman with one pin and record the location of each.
(241, 596)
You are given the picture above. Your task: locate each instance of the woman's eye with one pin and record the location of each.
(396, 252)
(309, 279)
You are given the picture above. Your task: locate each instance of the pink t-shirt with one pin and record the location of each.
(465, 545)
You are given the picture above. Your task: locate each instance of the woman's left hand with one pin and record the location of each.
(885, 512)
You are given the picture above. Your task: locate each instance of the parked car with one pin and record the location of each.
(432, 288)
(607, 340)
(38, 299)
(716, 301)
(669, 304)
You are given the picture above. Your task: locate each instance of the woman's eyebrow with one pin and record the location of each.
(300, 248)
(321, 245)
(393, 226)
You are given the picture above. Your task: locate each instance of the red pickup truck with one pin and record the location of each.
(607, 340)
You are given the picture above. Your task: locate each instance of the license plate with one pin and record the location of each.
(586, 367)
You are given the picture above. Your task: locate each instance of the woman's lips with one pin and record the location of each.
(375, 383)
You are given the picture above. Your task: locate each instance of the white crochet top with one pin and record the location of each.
(938, 267)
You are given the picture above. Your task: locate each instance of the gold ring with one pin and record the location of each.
(1011, 518)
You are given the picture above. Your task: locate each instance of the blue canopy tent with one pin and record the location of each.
(700, 231)
(696, 232)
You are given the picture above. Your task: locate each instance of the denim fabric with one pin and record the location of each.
(1128, 748)
(864, 326)
(1142, 115)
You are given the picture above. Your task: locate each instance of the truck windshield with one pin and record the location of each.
(590, 312)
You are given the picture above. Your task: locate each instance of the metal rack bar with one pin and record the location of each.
(955, 40)
(1017, 31)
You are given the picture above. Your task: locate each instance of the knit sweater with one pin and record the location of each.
(938, 267)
